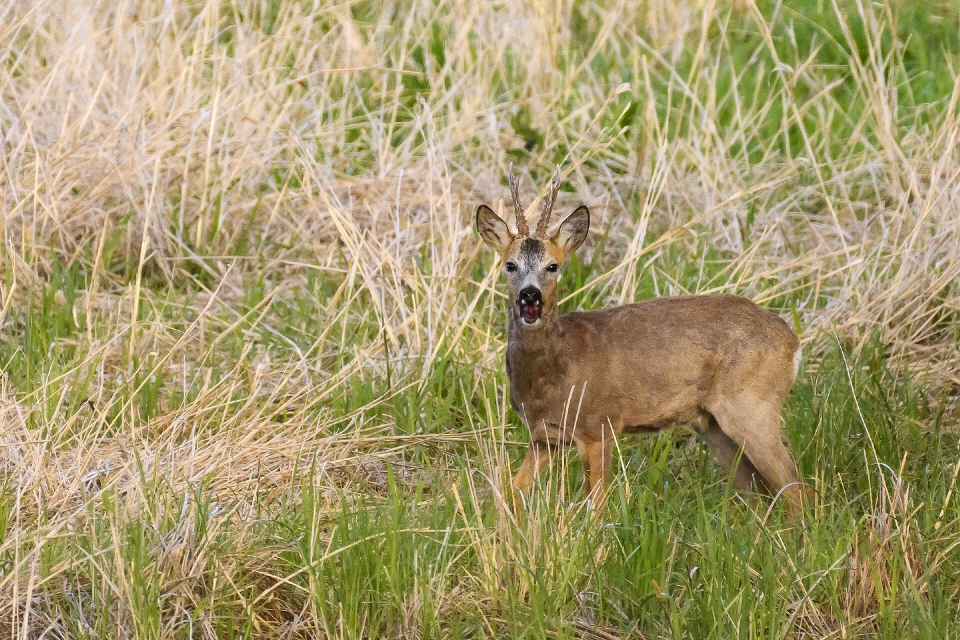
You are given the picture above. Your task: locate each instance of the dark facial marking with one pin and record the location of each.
(531, 248)
(530, 299)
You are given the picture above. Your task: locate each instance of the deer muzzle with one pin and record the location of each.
(530, 302)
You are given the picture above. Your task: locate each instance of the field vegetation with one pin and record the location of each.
(252, 376)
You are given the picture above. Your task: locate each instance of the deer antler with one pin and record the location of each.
(522, 228)
(547, 207)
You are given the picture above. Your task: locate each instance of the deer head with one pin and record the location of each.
(532, 262)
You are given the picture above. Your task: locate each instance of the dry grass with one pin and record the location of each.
(184, 129)
(175, 157)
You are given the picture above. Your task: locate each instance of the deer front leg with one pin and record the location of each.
(596, 456)
(538, 457)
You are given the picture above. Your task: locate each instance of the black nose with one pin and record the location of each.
(530, 296)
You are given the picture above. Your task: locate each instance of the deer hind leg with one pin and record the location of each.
(729, 455)
(538, 457)
(756, 431)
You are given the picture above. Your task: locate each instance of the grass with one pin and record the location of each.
(252, 381)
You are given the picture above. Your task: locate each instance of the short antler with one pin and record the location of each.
(547, 207)
(522, 228)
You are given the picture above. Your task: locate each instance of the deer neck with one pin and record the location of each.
(534, 360)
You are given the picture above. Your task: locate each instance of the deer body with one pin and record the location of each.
(662, 363)
(720, 364)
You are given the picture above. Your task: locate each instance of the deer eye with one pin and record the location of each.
(511, 267)
(553, 267)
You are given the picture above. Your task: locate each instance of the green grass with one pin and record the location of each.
(678, 553)
(434, 553)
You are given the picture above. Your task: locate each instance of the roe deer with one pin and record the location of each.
(718, 363)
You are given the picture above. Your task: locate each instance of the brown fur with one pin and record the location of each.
(721, 364)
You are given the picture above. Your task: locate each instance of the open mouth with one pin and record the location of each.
(530, 312)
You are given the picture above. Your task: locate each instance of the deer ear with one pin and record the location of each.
(573, 230)
(492, 229)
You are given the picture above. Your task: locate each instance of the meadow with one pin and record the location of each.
(252, 377)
